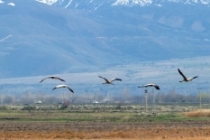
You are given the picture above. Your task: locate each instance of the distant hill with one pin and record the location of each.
(69, 36)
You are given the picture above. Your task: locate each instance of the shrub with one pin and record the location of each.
(28, 108)
(3, 108)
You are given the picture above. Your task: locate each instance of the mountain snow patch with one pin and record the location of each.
(205, 1)
(69, 3)
(1, 40)
(11, 4)
(48, 2)
(123, 2)
(132, 2)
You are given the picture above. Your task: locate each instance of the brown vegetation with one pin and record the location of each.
(198, 113)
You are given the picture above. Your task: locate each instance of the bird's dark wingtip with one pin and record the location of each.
(157, 87)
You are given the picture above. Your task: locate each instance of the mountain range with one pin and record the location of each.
(99, 3)
(45, 37)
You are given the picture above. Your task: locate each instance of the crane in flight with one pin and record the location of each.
(63, 86)
(110, 81)
(53, 77)
(185, 79)
(150, 85)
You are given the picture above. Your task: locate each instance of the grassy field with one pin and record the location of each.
(103, 113)
(100, 122)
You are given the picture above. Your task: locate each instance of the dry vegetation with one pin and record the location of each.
(87, 122)
(198, 113)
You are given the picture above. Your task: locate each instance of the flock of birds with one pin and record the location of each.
(185, 79)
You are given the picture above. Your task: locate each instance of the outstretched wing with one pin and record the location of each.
(185, 78)
(152, 85)
(58, 86)
(157, 87)
(194, 77)
(43, 79)
(53, 77)
(63, 86)
(60, 79)
(107, 81)
(115, 79)
(70, 89)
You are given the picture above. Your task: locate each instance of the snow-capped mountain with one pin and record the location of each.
(43, 37)
(98, 3)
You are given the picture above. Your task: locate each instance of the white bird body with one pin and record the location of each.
(150, 85)
(110, 81)
(185, 79)
(63, 86)
(53, 77)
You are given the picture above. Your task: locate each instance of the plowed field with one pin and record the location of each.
(192, 130)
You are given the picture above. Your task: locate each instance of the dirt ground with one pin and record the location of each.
(10, 130)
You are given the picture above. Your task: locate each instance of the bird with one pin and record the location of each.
(150, 85)
(110, 81)
(52, 77)
(185, 79)
(63, 86)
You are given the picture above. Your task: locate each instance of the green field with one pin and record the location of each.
(101, 113)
